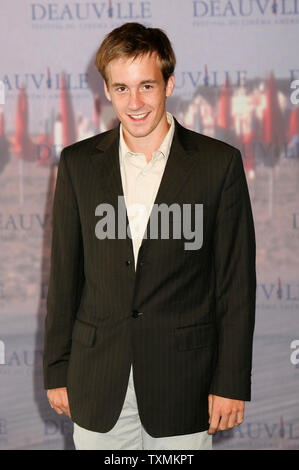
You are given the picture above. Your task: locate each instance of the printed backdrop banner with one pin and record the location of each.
(236, 80)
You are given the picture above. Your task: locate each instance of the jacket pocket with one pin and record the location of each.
(195, 336)
(84, 333)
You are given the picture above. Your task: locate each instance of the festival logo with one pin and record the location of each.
(278, 295)
(92, 12)
(58, 425)
(276, 432)
(244, 12)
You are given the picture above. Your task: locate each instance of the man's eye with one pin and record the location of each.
(148, 87)
(120, 89)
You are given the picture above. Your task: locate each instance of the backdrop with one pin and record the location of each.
(236, 80)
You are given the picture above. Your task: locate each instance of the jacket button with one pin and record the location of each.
(128, 262)
(136, 314)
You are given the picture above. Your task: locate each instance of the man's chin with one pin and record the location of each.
(142, 131)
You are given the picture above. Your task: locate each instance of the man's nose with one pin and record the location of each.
(135, 100)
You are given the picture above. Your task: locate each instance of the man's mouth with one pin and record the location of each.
(138, 117)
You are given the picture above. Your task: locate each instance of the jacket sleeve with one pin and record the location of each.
(234, 264)
(66, 279)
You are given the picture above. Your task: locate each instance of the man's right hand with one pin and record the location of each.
(59, 401)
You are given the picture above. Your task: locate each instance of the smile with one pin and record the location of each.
(138, 117)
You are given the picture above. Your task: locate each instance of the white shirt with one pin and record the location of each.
(141, 181)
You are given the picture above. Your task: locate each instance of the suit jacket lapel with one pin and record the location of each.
(177, 170)
(106, 163)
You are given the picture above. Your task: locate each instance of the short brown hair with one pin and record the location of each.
(133, 40)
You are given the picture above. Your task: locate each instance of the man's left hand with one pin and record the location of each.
(224, 413)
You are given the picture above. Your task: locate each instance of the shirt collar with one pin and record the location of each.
(164, 148)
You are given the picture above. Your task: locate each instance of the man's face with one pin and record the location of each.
(138, 94)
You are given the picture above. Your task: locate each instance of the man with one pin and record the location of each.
(149, 339)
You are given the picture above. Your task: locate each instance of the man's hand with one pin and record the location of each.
(59, 401)
(224, 413)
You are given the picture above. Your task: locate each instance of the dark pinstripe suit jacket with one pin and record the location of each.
(184, 319)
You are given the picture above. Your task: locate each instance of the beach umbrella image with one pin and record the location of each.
(23, 145)
(273, 137)
(293, 133)
(294, 124)
(24, 148)
(97, 114)
(224, 129)
(64, 126)
(224, 114)
(249, 161)
(249, 141)
(44, 150)
(45, 155)
(4, 146)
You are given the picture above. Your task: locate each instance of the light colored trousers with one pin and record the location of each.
(129, 434)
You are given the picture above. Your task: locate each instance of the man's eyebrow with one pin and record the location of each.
(148, 81)
(118, 84)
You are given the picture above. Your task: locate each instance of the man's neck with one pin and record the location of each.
(149, 143)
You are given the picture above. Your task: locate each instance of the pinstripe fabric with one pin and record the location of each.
(194, 336)
(129, 434)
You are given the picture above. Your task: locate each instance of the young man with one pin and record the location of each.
(149, 339)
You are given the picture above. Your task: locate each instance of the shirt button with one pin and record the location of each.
(136, 314)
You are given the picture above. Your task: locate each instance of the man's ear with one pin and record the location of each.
(107, 91)
(170, 86)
